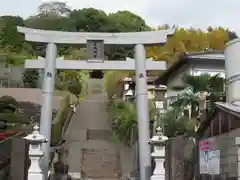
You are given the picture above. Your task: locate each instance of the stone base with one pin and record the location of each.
(158, 177)
(36, 177)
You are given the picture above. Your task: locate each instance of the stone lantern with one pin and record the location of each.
(35, 141)
(160, 97)
(158, 141)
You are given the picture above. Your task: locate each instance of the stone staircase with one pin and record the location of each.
(100, 164)
(92, 152)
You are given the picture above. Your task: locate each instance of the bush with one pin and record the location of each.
(112, 85)
(124, 117)
(7, 104)
(75, 87)
(14, 118)
(8, 100)
(30, 78)
(58, 122)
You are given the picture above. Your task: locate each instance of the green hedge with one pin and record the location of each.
(14, 118)
(58, 122)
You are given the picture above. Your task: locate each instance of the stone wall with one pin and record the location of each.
(228, 147)
(178, 162)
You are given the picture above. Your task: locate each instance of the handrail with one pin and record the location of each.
(64, 128)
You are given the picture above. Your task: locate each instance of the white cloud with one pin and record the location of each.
(196, 13)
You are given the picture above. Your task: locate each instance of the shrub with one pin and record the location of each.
(30, 78)
(7, 104)
(124, 117)
(14, 118)
(75, 87)
(112, 85)
(58, 122)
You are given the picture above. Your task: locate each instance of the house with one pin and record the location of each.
(128, 84)
(219, 142)
(211, 62)
(11, 76)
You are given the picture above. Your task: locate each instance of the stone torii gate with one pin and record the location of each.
(95, 48)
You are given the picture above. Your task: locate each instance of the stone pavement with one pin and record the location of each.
(92, 154)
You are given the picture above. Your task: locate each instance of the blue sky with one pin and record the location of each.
(195, 13)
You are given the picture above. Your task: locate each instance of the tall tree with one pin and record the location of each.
(55, 8)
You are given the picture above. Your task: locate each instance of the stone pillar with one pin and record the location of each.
(35, 141)
(158, 141)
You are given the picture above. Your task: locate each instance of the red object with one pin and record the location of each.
(204, 145)
(2, 137)
(8, 133)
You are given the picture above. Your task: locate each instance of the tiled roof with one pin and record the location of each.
(186, 58)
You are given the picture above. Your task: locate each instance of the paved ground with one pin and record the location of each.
(92, 152)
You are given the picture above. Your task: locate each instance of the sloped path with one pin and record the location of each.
(92, 153)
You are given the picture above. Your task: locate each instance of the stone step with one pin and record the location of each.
(100, 164)
(99, 179)
(99, 134)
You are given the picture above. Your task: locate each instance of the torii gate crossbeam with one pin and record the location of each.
(129, 64)
(131, 38)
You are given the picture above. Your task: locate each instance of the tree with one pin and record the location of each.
(90, 20)
(55, 8)
(126, 21)
(189, 40)
(11, 40)
(231, 35)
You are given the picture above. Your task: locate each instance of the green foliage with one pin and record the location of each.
(205, 82)
(175, 121)
(14, 118)
(175, 124)
(58, 122)
(73, 81)
(75, 87)
(7, 104)
(30, 78)
(58, 16)
(112, 83)
(8, 112)
(124, 117)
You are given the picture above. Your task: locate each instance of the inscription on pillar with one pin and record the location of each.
(95, 50)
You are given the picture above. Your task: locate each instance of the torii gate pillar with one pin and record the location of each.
(138, 39)
(142, 112)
